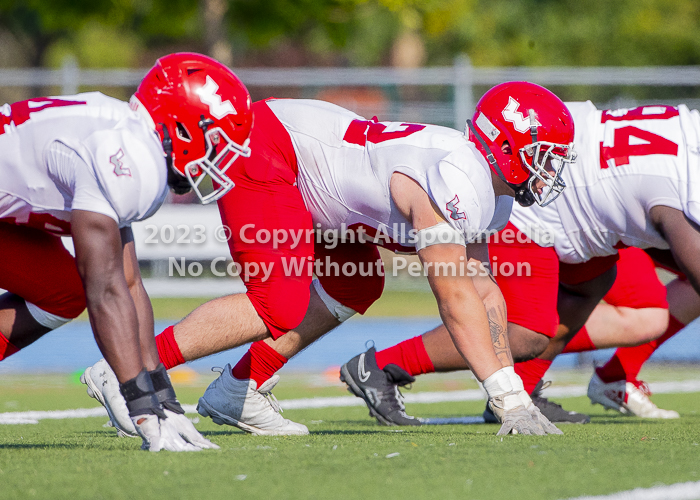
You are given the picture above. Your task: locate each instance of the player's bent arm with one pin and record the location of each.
(464, 315)
(683, 236)
(144, 310)
(98, 254)
(461, 309)
(493, 300)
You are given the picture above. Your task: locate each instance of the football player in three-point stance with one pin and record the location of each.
(636, 184)
(421, 188)
(87, 166)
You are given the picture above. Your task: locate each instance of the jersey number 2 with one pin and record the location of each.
(21, 111)
(360, 132)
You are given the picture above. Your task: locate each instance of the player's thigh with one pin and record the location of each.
(639, 298)
(531, 290)
(351, 273)
(37, 267)
(278, 291)
(271, 241)
(636, 285)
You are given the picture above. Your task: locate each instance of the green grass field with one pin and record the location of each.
(347, 455)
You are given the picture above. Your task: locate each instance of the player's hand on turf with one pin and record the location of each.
(187, 431)
(514, 416)
(519, 421)
(160, 434)
(544, 422)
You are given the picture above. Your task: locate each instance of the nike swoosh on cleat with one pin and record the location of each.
(361, 372)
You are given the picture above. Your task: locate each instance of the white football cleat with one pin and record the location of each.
(627, 398)
(231, 401)
(102, 384)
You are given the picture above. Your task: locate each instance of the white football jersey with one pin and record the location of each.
(345, 165)
(120, 169)
(629, 160)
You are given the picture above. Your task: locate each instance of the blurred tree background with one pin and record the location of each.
(133, 33)
(352, 33)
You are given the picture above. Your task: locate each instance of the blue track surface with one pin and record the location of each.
(72, 347)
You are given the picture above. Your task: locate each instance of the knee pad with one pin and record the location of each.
(45, 318)
(355, 292)
(341, 312)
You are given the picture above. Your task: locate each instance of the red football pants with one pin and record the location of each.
(37, 267)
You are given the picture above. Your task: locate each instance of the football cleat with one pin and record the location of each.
(102, 384)
(628, 398)
(230, 401)
(489, 415)
(554, 412)
(379, 388)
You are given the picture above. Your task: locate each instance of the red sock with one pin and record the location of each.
(532, 372)
(581, 342)
(409, 355)
(259, 363)
(6, 348)
(168, 350)
(627, 361)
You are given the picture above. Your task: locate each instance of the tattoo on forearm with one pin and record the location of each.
(499, 335)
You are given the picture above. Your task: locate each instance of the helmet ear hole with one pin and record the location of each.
(208, 114)
(506, 149)
(182, 132)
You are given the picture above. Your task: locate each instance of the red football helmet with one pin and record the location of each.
(537, 127)
(202, 112)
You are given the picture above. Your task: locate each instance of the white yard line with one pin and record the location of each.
(33, 417)
(678, 491)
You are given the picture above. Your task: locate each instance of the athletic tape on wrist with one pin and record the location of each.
(341, 312)
(498, 384)
(518, 386)
(44, 318)
(439, 234)
(515, 379)
(140, 397)
(164, 390)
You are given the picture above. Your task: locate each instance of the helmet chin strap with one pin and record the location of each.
(523, 195)
(178, 183)
(490, 156)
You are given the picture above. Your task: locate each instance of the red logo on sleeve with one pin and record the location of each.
(454, 209)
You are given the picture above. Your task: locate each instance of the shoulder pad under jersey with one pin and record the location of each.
(130, 168)
(464, 194)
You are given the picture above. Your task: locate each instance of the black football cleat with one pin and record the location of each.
(554, 412)
(378, 388)
(489, 417)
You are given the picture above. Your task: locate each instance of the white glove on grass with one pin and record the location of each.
(187, 430)
(160, 434)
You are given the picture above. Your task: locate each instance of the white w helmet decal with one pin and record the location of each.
(217, 108)
(519, 121)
